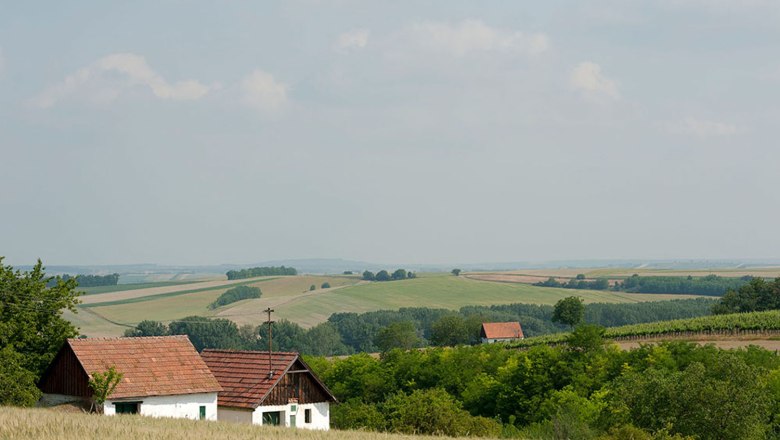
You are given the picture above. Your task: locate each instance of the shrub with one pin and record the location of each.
(325, 285)
(235, 294)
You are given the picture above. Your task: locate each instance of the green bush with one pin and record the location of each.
(235, 294)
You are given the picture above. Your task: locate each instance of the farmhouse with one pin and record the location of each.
(162, 376)
(276, 389)
(500, 332)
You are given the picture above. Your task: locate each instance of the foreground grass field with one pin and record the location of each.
(46, 424)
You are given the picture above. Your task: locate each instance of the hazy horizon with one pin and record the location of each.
(194, 133)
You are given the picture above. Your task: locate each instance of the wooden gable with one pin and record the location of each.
(66, 375)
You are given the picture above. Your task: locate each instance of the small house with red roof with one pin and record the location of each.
(269, 389)
(501, 332)
(162, 376)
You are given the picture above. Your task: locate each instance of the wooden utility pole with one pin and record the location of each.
(270, 343)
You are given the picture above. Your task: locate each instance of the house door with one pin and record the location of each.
(272, 418)
(292, 420)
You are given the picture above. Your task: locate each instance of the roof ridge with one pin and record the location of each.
(120, 338)
(226, 350)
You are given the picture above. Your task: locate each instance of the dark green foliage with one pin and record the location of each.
(369, 276)
(92, 280)
(17, 384)
(260, 272)
(208, 333)
(31, 321)
(401, 335)
(411, 275)
(236, 294)
(455, 272)
(569, 311)
(347, 272)
(450, 331)
(587, 338)
(399, 274)
(382, 275)
(711, 285)
(578, 283)
(755, 296)
(654, 392)
(148, 328)
(312, 287)
(325, 285)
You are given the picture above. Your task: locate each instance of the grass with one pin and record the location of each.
(291, 299)
(48, 424)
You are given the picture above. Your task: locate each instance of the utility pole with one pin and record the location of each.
(270, 343)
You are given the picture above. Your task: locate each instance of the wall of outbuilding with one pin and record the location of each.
(183, 406)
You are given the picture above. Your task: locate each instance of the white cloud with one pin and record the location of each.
(352, 40)
(263, 92)
(471, 36)
(588, 79)
(108, 77)
(703, 128)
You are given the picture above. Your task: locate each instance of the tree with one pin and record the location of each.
(103, 384)
(382, 275)
(208, 333)
(17, 384)
(312, 287)
(148, 328)
(411, 275)
(450, 331)
(587, 338)
(399, 274)
(456, 272)
(401, 334)
(236, 294)
(757, 295)
(31, 321)
(369, 276)
(324, 340)
(580, 276)
(325, 285)
(569, 311)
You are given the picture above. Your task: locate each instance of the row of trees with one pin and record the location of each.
(235, 294)
(383, 275)
(755, 296)
(90, 280)
(580, 390)
(260, 272)
(711, 285)
(580, 282)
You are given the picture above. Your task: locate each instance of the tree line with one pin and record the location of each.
(710, 285)
(235, 294)
(412, 327)
(584, 389)
(89, 280)
(260, 272)
(755, 296)
(383, 275)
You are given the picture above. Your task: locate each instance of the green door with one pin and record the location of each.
(202, 412)
(292, 420)
(271, 418)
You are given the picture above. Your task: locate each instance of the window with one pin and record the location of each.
(202, 414)
(307, 416)
(127, 407)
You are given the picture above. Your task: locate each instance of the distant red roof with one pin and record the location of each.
(244, 378)
(151, 366)
(502, 330)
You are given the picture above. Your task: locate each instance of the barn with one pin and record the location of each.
(501, 332)
(162, 376)
(262, 389)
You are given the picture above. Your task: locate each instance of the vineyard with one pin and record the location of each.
(734, 324)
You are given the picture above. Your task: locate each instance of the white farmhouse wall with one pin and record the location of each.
(182, 406)
(320, 415)
(225, 414)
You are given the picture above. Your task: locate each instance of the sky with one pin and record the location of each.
(204, 132)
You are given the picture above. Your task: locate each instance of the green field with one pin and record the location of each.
(134, 286)
(292, 300)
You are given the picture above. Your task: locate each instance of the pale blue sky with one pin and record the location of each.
(187, 132)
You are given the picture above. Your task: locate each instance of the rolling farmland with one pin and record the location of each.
(110, 314)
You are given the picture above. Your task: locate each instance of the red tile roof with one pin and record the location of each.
(502, 330)
(244, 374)
(151, 366)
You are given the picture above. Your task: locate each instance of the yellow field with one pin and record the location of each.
(48, 424)
(623, 272)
